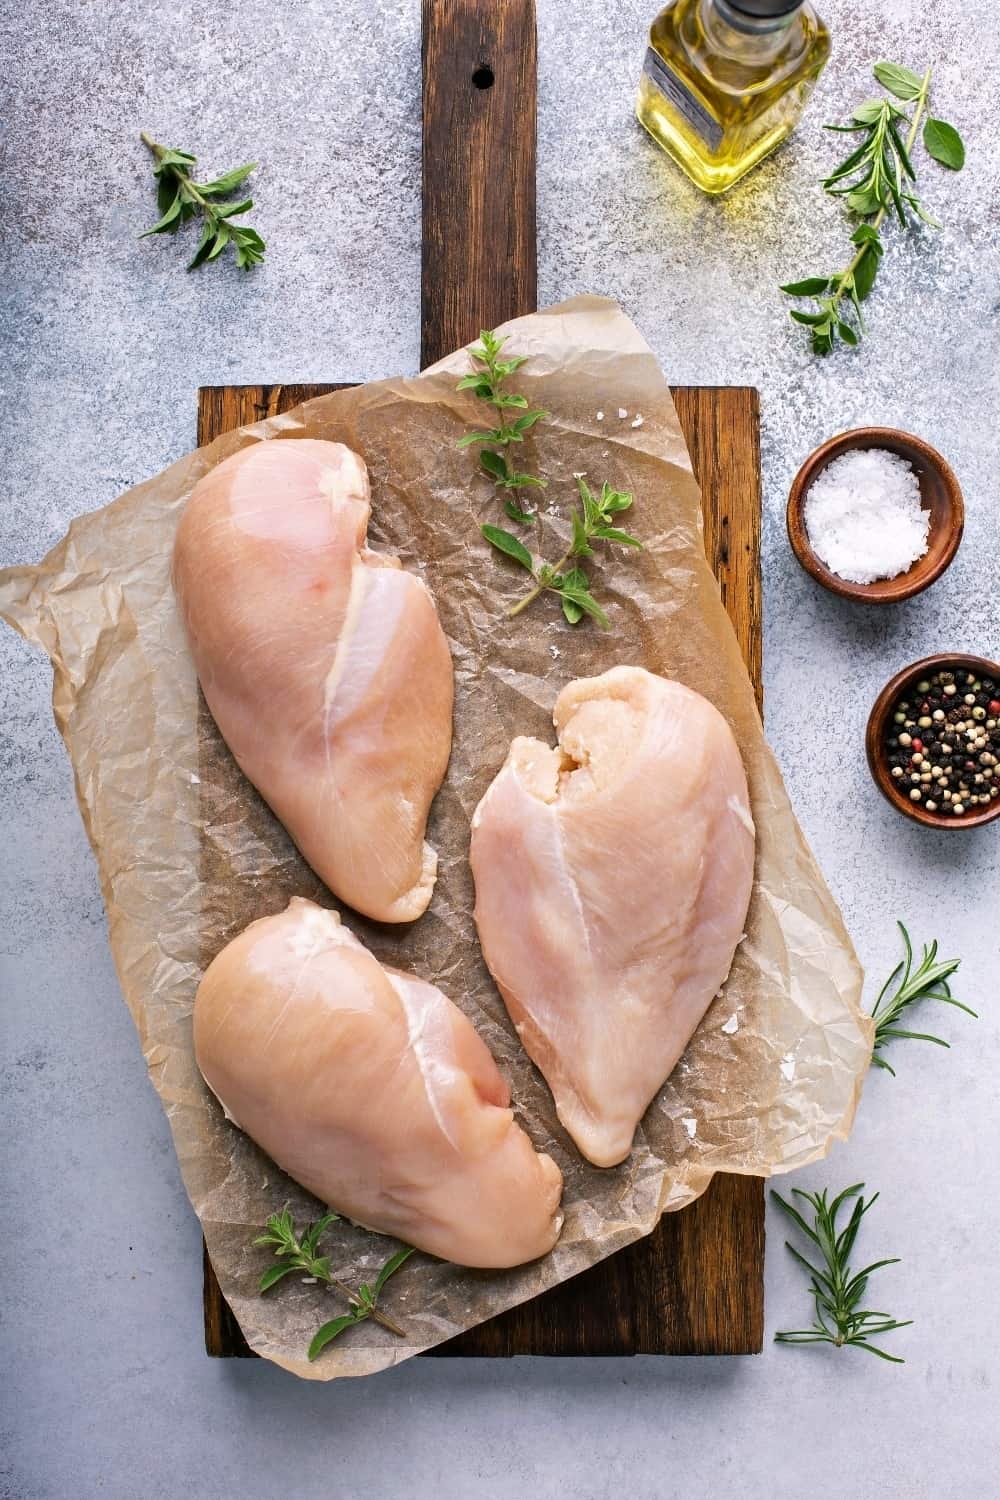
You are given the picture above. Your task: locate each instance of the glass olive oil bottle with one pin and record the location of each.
(724, 82)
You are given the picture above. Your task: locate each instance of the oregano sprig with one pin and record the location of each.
(181, 199)
(515, 417)
(836, 1289)
(299, 1252)
(906, 986)
(875, 179)
(593, 522)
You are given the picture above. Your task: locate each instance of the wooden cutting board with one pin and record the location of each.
(695, 1285)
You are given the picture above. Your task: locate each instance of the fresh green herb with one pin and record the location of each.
(180, 198)
(836, 1290)
(592, 523)
(877, 178)
(297, 1252)
(929, 981)
(515, 417)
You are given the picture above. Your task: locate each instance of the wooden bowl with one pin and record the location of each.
(878, 724)
(939, 493)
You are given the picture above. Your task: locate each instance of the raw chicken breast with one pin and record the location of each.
(323, 663)
(373, 1091)
(612, 881)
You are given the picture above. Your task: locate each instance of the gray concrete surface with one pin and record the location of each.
(105, 1390)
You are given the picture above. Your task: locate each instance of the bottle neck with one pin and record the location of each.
(734, 28)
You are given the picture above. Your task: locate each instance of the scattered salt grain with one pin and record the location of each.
(554, 652)
(731, 1026)
(864, 517)
(691, 1126)
(622, 412)
(600, 416)
(639, 420)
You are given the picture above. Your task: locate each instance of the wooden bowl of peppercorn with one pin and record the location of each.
(933, 741)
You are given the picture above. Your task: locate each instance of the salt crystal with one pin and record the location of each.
(691, 1126)
(600, 416)
(638, 421)
(864, 517)
(622, 412)
(788, 1067)
(731, 1026)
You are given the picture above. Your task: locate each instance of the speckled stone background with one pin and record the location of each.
(105, 1387)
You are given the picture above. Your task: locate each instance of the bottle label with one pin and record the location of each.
(683, 101)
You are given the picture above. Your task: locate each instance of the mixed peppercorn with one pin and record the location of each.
(944, 742)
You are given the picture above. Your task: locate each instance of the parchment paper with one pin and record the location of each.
(188, 854)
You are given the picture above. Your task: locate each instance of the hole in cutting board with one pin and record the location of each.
(483, 76)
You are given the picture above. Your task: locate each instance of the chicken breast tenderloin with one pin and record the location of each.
(612, 879)
(323, 663)
(373, 1091)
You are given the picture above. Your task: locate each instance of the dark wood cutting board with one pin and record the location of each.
(695, 1285)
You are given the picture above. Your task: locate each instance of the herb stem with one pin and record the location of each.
(188, 188)
(845, 279)
(373, 1313)
(533, 594)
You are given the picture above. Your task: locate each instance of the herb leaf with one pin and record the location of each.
(514, 511)
(180, 198)
(330, 1331)
(877, 178)
(836, 1290)
(812, 286)
(390, 1268)
(297, 1252)
(582, 599)
(489, 385)
(508, 543)
(907, 986)
(589, 524)
(273, 1274)
(943, 142)
(594, 522)
(900, 81)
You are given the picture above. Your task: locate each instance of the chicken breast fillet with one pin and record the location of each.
(373, 1091)
(612, 878)
(324, 665)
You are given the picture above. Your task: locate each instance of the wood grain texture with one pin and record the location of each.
(479, 80)
(695, 1285)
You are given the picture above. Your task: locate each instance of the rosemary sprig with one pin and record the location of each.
(594, 522)
(929, 981)
(300, 1253)
(875, 179)
(489, 384)
(180, 198)
(836, 1290)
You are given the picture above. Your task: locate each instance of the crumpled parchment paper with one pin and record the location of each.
(188, 854)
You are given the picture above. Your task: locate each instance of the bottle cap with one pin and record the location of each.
(765, 8)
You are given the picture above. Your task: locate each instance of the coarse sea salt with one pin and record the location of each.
(864, 517)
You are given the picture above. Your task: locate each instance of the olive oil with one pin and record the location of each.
(725, 81)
